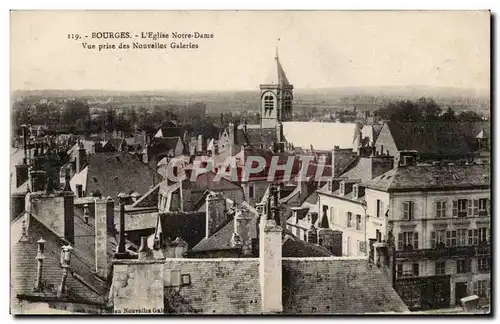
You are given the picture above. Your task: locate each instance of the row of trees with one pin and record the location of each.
(76, 114)
(423, 109)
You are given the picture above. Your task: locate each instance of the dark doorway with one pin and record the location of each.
(460, 291)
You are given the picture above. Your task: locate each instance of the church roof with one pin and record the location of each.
(276, 75)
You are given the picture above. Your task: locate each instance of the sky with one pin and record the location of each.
(318, 49)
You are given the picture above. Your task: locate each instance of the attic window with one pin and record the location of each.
(342, 188)
(382, 176)
(355, 191)
(388, 177)
(185, 279)
(94, 179)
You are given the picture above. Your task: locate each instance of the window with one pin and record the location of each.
(483, 264)
(462, 237)
(481, 288)
(380, 208)
(473, 209)
(463, 265)
(332, 215)
(251, 191)
(460, 208)
(407, 241)
(355, 191)
(362, 246)
(473, 237)
(415, 270)
(378, 235)
(483, 207)
(186, 279)
(451, 238)
(399, 270)
(482, 235)
(438, 239)
(349, 219)
(268, 104)
(358, 222)
(348, 246)
(440, 209)
(408, 210)
(440, 268)
(342, 188)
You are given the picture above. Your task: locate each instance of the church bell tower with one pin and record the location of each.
(276, 96)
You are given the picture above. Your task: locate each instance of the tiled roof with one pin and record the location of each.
(111, 173)
(437, 138)
(432, 177)
(191, 227)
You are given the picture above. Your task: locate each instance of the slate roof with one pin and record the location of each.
(337, 286)
(164, 144)
(432, 177)
(83, 285)
(276, 75)
(310, 286)
(291, 246)
(432, 139)
(111, 173)
(191, 226)
(264, 136)
(169, 132)
(150, 198)
(115, 143)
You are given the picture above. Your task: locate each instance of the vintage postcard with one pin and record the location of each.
(250, 162)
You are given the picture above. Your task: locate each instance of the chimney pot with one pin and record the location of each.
(144, 250)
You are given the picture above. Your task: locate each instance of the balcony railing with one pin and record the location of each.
(448, 252)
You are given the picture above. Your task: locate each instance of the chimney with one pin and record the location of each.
(121, 252)
(65, 262)
(145, 253)
(104, 219)
(22, 173)
(199, 146)
(270, 269)
(380, 164)
(180, 247)
(39, 271)
(215, 212)
(242, 229)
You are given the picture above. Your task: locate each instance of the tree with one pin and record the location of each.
(469, 116)
(449, 115)
(429, 109)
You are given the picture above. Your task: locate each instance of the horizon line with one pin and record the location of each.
(256, 89)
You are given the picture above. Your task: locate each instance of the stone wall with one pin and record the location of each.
(138, 287)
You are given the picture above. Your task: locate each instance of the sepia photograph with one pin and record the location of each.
(239, 162)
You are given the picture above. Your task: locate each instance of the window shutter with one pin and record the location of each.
(443, 209)
(406, 208)
(433, 239)
(469, 207)
(455, 208)
(400, 241)
(415, 240)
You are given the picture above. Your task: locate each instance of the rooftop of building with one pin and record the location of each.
(425, 177)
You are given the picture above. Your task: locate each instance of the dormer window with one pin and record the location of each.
(330, 186)
(355, 191)
(342, 188)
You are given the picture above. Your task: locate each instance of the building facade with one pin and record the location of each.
(438, 224)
